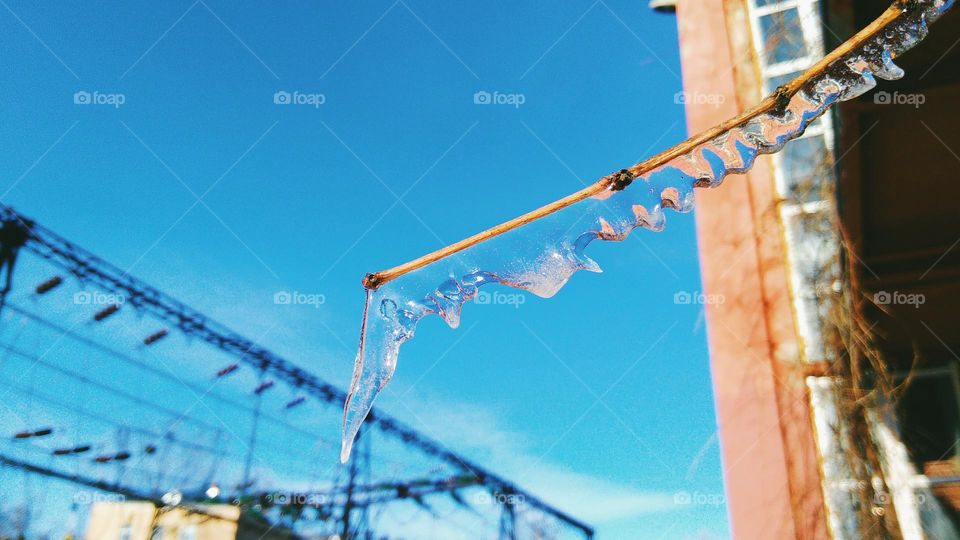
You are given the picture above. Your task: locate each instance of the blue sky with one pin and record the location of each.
(305, 198)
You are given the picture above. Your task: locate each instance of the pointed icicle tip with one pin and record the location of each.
(345, 448)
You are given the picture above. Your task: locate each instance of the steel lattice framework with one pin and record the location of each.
(89, 268)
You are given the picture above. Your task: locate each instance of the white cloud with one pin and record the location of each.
(475, 431)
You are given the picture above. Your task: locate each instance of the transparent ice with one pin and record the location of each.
(542, 255)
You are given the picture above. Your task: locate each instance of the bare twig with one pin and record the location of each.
(622, 178)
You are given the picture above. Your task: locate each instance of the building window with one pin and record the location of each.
(126, 533)
(929, 412)
(157, 533)
(808, 173)
(782, 37)
(787, 39)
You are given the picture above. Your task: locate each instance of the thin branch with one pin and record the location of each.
(619, 180)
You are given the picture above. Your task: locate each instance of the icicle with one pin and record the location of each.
(541, 255)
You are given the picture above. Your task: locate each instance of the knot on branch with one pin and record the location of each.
(782, 98)
(620, 179)
(372, 281)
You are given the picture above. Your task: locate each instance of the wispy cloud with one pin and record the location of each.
(476, 431)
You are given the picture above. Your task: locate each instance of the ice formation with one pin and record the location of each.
(542, 255)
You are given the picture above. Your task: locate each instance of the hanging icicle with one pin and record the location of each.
(541, 250)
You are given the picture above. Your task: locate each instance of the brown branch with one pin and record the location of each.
(619, 180)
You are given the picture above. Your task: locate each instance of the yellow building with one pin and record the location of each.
(143, 520)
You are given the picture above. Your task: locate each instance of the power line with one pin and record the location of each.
(88, 268)
(46, 452)
(113, 488)
(41, 321)
(154, 370)
(166, 438)
(107, 421)
(37, 360)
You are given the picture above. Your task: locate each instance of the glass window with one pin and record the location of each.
(126, 533)
(807, 170)
(812, 250)
(782, 36)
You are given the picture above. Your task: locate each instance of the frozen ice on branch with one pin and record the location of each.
(539, 251)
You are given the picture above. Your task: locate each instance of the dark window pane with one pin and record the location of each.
(930, 419)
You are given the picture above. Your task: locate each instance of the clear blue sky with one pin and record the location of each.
(297, 197)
